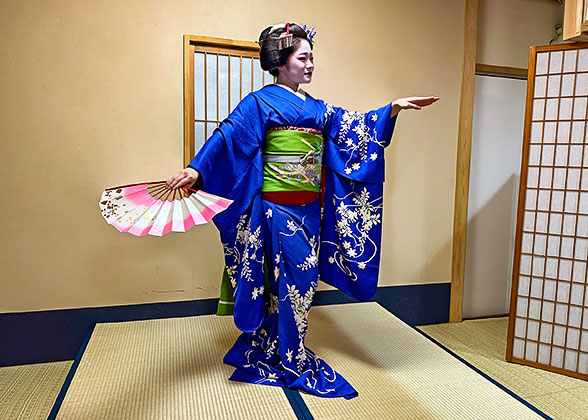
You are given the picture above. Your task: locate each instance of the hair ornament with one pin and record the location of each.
(310, 33)
(285, 40)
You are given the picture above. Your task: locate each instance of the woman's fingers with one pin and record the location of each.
(182, 178)
(424, 101)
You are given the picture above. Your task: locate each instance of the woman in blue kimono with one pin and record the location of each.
(301, 173)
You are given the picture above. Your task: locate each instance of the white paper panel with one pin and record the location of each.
(538, 263)
(582, 84)
(553, 246)
(540, 86)
(518, 347)
(546, 175)
(536, 132)
(557, 200)
(574, 317)
(555, 62)
(579, 276)
(223, 82)
(547, 315)
(549, 132)
(536, 290)
(211, 68)
(565, 269)
(199, 86)
(561, 155)
(578, 135)
(559, 332)
(563, 132)
(199, 135)
(553, 83)
(246, 76)
(583, 363)
(580, 109)
(543, 201)
(531, 351)
(520, 327)
(583, 60)
(538, 109)
(544, 355)
(541, 63)
(582, 226)
(567, 84)
(551, 108)
(551, 267)
(577, 293)
(559, 178)
(584, 341)
(565, 109)
(235, 90)
(549, 292)
(570, 359)
(556, 357)
(524, 285)
(529, 220)
(541, 222)
(533, 330)
(562, 295)
(569, 224)
(257, 75)
(570, 61)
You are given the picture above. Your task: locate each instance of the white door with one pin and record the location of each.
(497, 138)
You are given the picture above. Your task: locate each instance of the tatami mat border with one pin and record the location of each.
(69, 377)
(56, 335)
(487, 377)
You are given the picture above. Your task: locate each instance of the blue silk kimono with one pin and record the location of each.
(297, 244)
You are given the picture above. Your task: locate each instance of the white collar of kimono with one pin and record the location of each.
(300, 93)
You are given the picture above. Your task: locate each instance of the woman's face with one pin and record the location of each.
(300, 65)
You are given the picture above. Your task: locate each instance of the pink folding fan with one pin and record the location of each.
(152, 208)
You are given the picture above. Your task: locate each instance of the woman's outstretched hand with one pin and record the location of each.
(184, 178)
(413, 102)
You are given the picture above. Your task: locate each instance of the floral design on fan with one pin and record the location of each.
(356, 215)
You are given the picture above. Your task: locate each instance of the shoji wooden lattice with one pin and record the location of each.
(218, 73)
(548, 326)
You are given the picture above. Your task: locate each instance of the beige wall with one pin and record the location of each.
(92, 97)
(507, 28)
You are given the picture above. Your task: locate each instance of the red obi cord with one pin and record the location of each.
(297, 198)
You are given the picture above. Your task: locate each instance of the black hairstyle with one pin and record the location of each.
(270, 56)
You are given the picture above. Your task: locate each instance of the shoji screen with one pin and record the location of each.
(548, 326)
(218, 73)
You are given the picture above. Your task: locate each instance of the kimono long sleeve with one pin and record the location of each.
(230, 164)
(351, 227)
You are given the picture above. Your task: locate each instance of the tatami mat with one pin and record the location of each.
(398, 373)
(28, 391)
(166, 369)
(172, 369)
(482, 342)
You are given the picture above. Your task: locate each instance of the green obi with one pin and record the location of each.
(292, 160)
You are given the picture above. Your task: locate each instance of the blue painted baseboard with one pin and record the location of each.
(49, 336)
